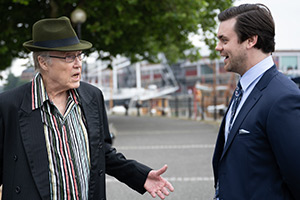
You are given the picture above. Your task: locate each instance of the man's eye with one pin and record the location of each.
(70, 57)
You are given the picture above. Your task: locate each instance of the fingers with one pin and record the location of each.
(169, 186)
(165, 191)
(161, 195)
(153, 194)
(158, 186)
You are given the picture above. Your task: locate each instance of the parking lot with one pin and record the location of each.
(186, 146)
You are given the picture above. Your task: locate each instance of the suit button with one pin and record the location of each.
(100, 145)
(15, 157)
(100, 172)
(18, 190)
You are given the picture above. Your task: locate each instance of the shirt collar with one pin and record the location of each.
(255, 72)
(39, 94)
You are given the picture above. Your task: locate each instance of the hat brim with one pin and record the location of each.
(83, 45)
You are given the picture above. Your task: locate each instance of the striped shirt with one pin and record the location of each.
(67, 143)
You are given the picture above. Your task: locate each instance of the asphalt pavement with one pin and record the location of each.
(186, 146)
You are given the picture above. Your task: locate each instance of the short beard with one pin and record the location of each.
(238, 64)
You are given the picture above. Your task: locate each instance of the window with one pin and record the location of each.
(288, 63)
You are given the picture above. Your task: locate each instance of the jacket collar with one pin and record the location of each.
(31, 129)
(91, 105)
(32, 133)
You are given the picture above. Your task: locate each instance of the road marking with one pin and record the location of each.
(173, 179)
(188, 146)
(161, 132)
(189, 179)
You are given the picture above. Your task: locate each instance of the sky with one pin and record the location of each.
(286, 14)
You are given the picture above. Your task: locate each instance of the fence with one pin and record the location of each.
(186, 106)
(182, 106)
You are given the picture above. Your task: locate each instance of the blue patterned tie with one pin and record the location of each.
(238, 93)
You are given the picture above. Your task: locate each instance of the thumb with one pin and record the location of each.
(162, 170)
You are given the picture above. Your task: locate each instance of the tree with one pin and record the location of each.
(138, 29)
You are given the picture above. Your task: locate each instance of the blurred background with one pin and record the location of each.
(148, 57)
(151, 59)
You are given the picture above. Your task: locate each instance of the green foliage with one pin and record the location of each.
(24, 2)
(138, 29)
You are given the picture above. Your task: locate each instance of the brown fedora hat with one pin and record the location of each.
(55, 34)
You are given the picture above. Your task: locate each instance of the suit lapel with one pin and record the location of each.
(252, 99)
(248, 105)
(91, 112)
(33, 138)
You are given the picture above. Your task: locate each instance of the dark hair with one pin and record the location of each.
(251, 20)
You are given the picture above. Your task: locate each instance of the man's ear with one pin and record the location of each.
(251, 42)
(43, 63)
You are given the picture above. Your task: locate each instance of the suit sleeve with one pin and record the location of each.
(130, 172)
(283, 128)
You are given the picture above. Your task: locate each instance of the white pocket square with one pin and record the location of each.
(243, 131)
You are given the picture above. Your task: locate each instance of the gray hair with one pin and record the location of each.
(44, 54)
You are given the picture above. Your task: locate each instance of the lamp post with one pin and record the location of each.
(78, 17)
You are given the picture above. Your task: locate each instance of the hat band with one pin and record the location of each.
(57, 43)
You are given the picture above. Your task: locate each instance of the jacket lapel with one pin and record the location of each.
(91, 112)
(32, 134)
(248, 105)
(252, 99)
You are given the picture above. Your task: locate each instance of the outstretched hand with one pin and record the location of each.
(155, 184)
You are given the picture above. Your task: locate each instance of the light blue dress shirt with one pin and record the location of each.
(248, 81)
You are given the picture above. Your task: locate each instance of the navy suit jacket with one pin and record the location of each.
(260, 160)
(24, 166)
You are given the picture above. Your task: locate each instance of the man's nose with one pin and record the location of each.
(218, 47)
(77, 62)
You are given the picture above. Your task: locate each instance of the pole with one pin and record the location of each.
(79, 30)
(176, 106)
(111, 103)
(214, 92)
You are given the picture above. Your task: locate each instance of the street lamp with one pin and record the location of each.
(78, 17)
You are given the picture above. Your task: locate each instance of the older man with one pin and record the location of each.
(54, 137)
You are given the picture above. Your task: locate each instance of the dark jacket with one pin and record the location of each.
(260, 160)
(24, 167)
